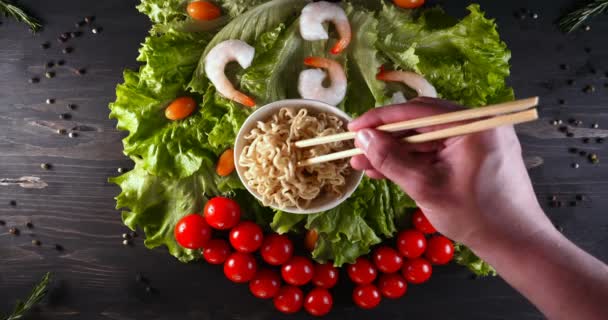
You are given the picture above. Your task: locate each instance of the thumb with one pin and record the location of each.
(387, 155)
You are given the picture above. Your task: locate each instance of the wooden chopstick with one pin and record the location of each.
(469, 114)
(477, 126)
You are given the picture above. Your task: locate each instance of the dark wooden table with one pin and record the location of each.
(95, 273)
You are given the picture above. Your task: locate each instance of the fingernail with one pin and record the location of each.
(364, 137)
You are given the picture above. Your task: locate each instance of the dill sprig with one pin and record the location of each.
(11, 10)
(35, 296)
(575, 19)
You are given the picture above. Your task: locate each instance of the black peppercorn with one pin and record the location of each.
(67, 50)
(49, 74)
(126, 236)
(587, 49)
(587, 28)
(13, 231)
(34, 80)
(45, 166)
(573, 150)
(580, 197)
(569, 134)
(559, 228)
(126, 242)
(599, 140)
(133, 234)
(2, 223)
(13, 202)
(49, 64)
(593, 70)
(562, 101)
(96, 30)
(563, 128)
(50, 101)
(71, 106)
(75, 34)
(45, 45)
(89, 19)
(534, 16)
(81, 71)
(65, 116)
(582, 153)
(61, 131)
(575, 165)
(58, 247)
(589, 89)
(120, 170)
(595, 126)
(570, 82)
(60, 62)
(36, 242)
(29, 224)
(563, 66)
(585, 140)
(72, 134)
(79, 24)
(559, 121)
(573, 203)
(578, 122)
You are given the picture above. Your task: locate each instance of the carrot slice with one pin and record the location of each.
(225, 164)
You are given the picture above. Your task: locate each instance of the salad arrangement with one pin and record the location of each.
(180, 127)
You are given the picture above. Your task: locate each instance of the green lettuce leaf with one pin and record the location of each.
(237, 7)
(163, 11)
(464, 256)
(364, 90)
(249, 27)
(273, 74)
(465, 60)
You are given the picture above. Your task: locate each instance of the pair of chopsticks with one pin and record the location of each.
(508, 113)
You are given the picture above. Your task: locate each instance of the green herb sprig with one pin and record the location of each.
(35, 296)
(11, 10)
(576, 18)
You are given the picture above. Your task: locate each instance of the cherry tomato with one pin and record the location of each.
(289, 299)
(318, 302)
(247, 236)
(417, 270)
(192, 231)
(216, 251)
(310, 240)
(222, 213)
(325, 275)
(411, 243)
(265, 284)
(362, 271)
(440, 250)
(421, 223)
(180, 108)
(387, 259)
(366, 296)
(276, 249)
(408, 4)
(203, 10)
(297, 271)
(392, 285)
(240, 267)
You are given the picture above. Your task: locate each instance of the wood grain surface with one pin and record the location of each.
(72, 205)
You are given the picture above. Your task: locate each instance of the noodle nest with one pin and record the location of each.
(270, 159)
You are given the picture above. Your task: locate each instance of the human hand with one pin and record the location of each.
(472, 188)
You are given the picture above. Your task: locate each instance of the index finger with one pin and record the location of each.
(416, 108)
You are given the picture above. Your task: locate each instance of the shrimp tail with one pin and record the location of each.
(316, 62)
(382, 74)
(244, 99)
(339, 46)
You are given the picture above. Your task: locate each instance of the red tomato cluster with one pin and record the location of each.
(386, 274)
(408, 258)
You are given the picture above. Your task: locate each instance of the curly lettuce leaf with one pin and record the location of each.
(248, 27)
(155, 204)
(364, 90)
(351, 229)
(465, 60)
(163, 11)
(237, 7)
(464, 256)
(273, 75)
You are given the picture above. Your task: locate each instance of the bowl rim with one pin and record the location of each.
(261, 112)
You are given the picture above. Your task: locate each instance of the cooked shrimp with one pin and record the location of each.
(310, 84)
(312, 19)
(410, 79)
(216, 61)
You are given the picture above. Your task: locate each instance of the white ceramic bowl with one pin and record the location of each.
(325, 201)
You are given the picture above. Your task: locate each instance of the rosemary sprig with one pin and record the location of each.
(575, 19)
(11, 10)
(35, 296)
